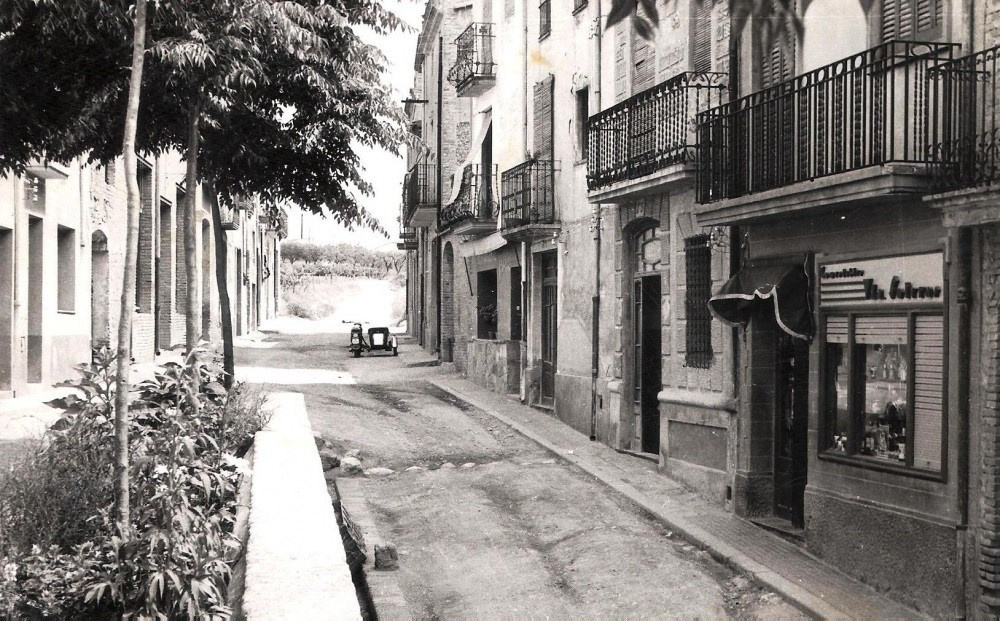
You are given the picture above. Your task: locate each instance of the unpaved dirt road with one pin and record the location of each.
(487, 524)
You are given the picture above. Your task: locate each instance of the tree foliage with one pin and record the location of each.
(288, 87)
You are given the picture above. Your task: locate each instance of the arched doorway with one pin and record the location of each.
(206, 280)
(647, 325)
(448, 304)
(100, 303)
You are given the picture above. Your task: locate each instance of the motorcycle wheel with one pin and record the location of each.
(357, 353)
(395, 351)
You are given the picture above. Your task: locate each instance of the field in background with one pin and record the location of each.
(343, 283)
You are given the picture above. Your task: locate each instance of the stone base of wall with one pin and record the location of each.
(495, 365)
(573, 398)
(912, 559)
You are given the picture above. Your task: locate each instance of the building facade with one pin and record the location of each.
(62, 250)
(767, 260)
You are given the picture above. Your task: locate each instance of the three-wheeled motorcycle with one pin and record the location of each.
(379, 339)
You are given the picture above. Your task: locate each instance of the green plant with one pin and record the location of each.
(172, 561)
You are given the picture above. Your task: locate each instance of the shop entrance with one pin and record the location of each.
(549, 328)
(791, 424)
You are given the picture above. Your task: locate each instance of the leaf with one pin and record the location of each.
(620, 9)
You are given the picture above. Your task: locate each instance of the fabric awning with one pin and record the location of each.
(785, 285)
(483, 245)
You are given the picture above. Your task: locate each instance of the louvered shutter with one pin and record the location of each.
(836, 329)
(643, 60)
(543, 120)
(928, 397)
(621, 68)
(701, 35)
(778, 64)
(881, 330)
(911, 19)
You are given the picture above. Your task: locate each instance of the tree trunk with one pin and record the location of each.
(193, 310)
(221, 271)
(121, 466)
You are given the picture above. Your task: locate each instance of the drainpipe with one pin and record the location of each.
(959, 255)
(440, 174)
(524, 76)
(596, 310)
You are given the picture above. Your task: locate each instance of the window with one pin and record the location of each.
(486, 304)
(544, 19)
(884, 379)
(34, 192)
(544, 121)
(515, 304)
(701, 35)
(918, 20)
(66, 295)
(698, 331)
(582, 116)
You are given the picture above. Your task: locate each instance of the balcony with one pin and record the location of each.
(474, 211)
(420, 195)
(650, 138)
(528, 201)
(474, 71)
(966, 151)
(858, 130)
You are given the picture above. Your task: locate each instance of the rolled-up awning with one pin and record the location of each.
(785, 285)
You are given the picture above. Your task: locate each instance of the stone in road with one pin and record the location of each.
(509, 531)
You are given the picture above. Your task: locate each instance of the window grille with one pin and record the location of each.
(698, 332)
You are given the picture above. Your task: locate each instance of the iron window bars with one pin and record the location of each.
(651, 130)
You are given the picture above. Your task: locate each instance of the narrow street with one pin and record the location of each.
(488, 524)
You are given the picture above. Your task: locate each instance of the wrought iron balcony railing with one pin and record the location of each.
(476, 198)
(876, 107)
(419, 187)
(474, 56)
(651, 130)
(967, 150)
(528, 194)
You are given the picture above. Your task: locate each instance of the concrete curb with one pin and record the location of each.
(386, 595)
(296, 566)
(796, 595)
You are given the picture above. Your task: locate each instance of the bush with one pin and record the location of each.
(173, 560)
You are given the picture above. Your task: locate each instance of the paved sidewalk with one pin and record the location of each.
(803, 580)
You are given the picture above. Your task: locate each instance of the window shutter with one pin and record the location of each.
(911, 19)
(836, 329)
(698, 327)
(928, 401)
(701, 35)
(881, 330)
(543, 120)
(643, 60)
(779, 64)
(621, 68)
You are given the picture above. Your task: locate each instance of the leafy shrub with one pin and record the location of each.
(173, 560)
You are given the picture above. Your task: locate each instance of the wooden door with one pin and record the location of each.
(549, 328)
(647, 369)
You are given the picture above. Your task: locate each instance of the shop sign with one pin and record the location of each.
(907, 279)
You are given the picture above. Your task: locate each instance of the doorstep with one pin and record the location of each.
(805, 581)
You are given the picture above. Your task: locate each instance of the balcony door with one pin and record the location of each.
(549, 330)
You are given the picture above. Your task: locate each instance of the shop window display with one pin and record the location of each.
(883, 387)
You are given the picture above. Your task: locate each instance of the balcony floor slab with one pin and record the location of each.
(474, 226)
(424, 216)
(968, 207)
(647, 184)
(839, 190)
(532, 232)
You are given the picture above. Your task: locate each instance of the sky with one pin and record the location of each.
(383, 170)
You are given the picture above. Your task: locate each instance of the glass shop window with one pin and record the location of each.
(884, 387)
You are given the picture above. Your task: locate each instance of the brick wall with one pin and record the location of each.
(989, 378)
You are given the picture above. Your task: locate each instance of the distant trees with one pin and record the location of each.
(345, 260)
